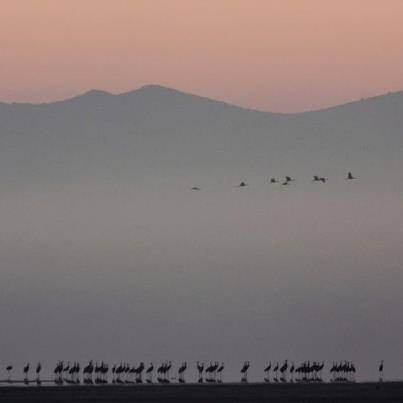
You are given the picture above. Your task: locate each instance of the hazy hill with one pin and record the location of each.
(156, 130)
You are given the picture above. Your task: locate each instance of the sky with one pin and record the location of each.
(270, 55)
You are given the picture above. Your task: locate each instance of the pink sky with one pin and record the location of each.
(285, 55)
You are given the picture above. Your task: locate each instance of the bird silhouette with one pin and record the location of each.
(38, 373)
(9, 369)
(200, 368)
(26, 370)
(283, 371)
(220, 370)
(267, 372)
(380, 369)
(242, 185)
(139, 372)
(350, 176)
(319, 179)
(275, 370)
(244, 371)
(181, 372)
(195, 188)
(292, 369)
(273, 180)
(149, 373)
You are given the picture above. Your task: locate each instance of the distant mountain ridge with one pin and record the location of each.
(153, 89)
(156, 133)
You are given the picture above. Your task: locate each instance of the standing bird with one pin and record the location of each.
(160, 371)
(292, 369)
(26, 370)
(242, 185)
(220, 370)
(283, 371)
(181, 372)
(267, 373)
(114, 373)
(244, 371)
(209, 372)
(350, 176)
(167, 369)
(58, 373)
(38, 373)
(139, 373)
(275, 370)
(380, 369)
(9, 369)
(200, 369)
(65, 371)
(149, 373)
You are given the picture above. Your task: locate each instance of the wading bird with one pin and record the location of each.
(283, 371)
(292, 369)
(181, 372)
(275, 370)
(200, 369)
(244, 371)
(149, 373)
(219, 372)
(267, 373)
(380, 369)
(9, 369)
(26, 370)
(38, 373)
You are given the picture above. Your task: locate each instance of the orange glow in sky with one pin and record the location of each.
(284, 55)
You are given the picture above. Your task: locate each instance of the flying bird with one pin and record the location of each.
(319, 179)
(350, 176)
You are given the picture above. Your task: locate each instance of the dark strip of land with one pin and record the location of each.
(390, 392)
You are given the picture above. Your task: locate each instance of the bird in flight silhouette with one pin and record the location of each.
(319, 179)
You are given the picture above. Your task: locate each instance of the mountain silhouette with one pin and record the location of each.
(156, 131)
